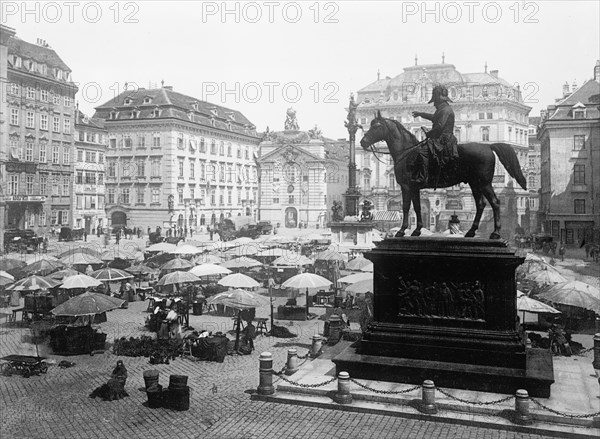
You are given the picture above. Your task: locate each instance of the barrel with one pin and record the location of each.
(197, 308)
(151, 378)
(178, 382)
(179, 398)
(154, 396)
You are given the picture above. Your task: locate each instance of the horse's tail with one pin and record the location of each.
(509, 160)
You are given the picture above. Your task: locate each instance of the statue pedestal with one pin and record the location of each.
(445, 310)
(354, 234)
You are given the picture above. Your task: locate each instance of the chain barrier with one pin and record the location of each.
(308, 386)
(566, 415)
(302, 357)
(456, 398)
(386, 392)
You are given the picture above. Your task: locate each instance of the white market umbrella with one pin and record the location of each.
(528, 304)
(574, 293)
(546, 277)
(161, 247)
(241, 263)
(292, 259)
(110, 275)
(361, 287)
(178, 277)
(34, 283)
(6, 275)
(358, 263)
(209, 270)
(307, 280)
(80, 259)
(238, 280)
(80, 281)
(357, 277)
(186, 249)
(87, 303)
(207, 259)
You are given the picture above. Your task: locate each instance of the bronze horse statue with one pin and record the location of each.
(476, 164)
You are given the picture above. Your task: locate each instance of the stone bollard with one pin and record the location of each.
(292, 362)
(596, 362)
(265, 383)
(522, 415)
(317, 345)
(335, 329)
(597, 324)
(343, 396)
(428, 398)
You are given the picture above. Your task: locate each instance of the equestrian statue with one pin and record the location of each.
(439, 162)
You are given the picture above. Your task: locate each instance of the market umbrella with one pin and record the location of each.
(306, 280)
(356, 277)
(87, 303)
(207, 259)
(6, 275)
(533, 257)
(241, 263)
(119, 253)
(358, 263)
(292, 259)
(368, 268)
(574, 293)
(361, 287)
(242, 240)
(36, 258)
(60, 275)
(178, 277)
(209, 270)
(5, 281)
(329, 255)
(80, 259)
(140, 269)
(238, 299)
(80, 250)
(177, 264)
(43, 267)
(238, 280)
(34, 283)
(110, 275)
(82, 281)
(546, 277)
(528, 304)
(10, 264)
(275, 251)
(161, 247)
(186, 249)
(243, 250)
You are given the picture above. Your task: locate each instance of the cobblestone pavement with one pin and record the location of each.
(56, 404)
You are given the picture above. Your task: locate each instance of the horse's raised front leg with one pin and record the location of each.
(479, 205)
(490, 195)
(416, 201)
(405, 210)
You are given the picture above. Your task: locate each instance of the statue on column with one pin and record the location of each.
(366, 214)
(337, 211)
(352, 122)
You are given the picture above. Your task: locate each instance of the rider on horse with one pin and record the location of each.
(441, 145)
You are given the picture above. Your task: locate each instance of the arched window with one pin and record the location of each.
(531, 182)
(485, 134)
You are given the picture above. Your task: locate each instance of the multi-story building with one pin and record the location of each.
(488, 109)
(301, 174)
(570, 163)
(37, 167)
(532, 173)
(173, 160)
(91, 139)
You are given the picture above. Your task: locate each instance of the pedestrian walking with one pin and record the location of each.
(561, 251)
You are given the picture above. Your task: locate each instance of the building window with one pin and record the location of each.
(579, 206)
(579, 114)
(44, 95)
(367, 181)
(54, 218)
(578, 142)
(66, 185)
(222, 148)
(229, 149)
(29, 185)
(221, 200)
(14, 116)
(275, 200)
(125, 195)
(531, 182)
(180, 141)
(43, 153)
(156, 140)
(212, 197)
(67, 126)
(481, 116)
(13, 184)
(112, 168)
(485, 134)
(56, 124)
(29, 119)
(155, 195)
(56, 99)
(79, 177)
(30, 93)
(111, 195)
(213, 146)
(202, 145)
(29, 151)
(579, 174)
(55, 154)
(180, 194)
(141, 195)
(127, 142)
(229, 197)
(14, 88)
(239, 152)
(66, 155)
(90, 177)
(100, 178)
(291, 199)
(141, 141)
(192, 169)
(43, 218)
(202, 171)
(43, 184)
(141, 168)
(112, 143)
(43, 122)
(490, 115)
(155, 168)
(180, 168)
(192, 192)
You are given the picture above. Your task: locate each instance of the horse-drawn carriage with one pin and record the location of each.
(22, 241)
(25, 365)
(69, 234)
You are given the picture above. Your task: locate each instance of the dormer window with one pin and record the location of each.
(114, 115)
(156, 112)
(579, 111)
(212, 121)
(190, 115)
(128, 101)
(214, 111)
(229, 125)
(43, 69)
(147, 100)
(135, 114)
(17, 61)
(195, 106)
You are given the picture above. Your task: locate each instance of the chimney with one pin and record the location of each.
(494, 73)
(574, 85)
(597, 71)
(378, 74)
(566, 90)
(77, 113)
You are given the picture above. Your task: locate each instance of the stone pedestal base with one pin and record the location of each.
(445, 310)
(353, 234)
